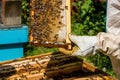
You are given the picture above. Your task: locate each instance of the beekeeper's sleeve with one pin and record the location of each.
(113, 16)
(109, 44)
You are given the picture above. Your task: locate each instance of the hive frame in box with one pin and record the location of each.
(50, 66)
(67, 42)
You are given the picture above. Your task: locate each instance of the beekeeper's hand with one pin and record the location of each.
(109, 44)
(69, 51)
(87, 45)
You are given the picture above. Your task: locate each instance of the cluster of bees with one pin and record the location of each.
(46, 20)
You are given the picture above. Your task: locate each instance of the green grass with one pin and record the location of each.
(30, 50)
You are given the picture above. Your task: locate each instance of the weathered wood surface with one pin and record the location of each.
(11, 13)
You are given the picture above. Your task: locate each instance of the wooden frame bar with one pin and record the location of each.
(68, 11)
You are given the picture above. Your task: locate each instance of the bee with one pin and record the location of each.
(60, 22)
(56, 36)
(62, 16)
(53, 18)
(59, 2)
(58, 26)
(61, 9)
(54, 24)
(66, 7)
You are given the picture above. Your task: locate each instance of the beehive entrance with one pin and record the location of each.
(49, 22)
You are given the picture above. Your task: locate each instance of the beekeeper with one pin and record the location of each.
(108, 43)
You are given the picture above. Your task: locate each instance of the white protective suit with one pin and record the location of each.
(108, 43)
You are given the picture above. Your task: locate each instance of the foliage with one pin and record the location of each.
(25, 11)
(32, 50)
(102, 62)
(88, 19)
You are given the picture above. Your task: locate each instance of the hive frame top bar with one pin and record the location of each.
(12, 0)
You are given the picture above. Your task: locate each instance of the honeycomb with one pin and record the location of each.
(48, 22)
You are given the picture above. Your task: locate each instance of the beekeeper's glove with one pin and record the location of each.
(109, 44)
(87, 45)
(69, 51)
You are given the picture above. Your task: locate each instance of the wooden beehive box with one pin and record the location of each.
(50, 66)
(50, 22)
(10, 11)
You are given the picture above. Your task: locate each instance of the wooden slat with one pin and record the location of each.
(12, 0)
(68, 12)
(88, 66)
(65, 69)
(92, 77)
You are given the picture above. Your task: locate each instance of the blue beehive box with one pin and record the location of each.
(11, 42)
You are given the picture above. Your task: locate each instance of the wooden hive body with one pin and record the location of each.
(50, 66)
(10, 13)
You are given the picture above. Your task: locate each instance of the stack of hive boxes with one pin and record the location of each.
(12, 33)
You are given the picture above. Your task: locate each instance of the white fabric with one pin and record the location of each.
(113, 16)
(113, 42)
(87, 44)
(109, 44)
